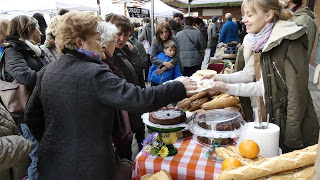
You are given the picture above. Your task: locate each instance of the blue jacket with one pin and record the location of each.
(229, 32)
(166, 75)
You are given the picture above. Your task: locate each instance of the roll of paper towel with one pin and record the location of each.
(267, 139)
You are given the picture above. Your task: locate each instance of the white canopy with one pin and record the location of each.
(46, 6)
(208, 1)
(161, 9)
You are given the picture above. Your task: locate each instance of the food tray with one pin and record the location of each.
(145, 119)
(215, 123)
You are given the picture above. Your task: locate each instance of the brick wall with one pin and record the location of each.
(235, 11)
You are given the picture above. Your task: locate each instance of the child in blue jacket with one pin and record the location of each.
(159, 76)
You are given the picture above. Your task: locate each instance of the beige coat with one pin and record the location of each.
(14, 149)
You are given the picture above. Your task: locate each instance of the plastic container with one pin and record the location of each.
(217, 123)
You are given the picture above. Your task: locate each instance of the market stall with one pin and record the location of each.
(221, 145)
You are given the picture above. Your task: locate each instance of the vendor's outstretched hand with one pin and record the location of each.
(214, 77)
(219, 86)
(189, 84)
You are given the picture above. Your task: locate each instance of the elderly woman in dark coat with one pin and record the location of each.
(77, 97)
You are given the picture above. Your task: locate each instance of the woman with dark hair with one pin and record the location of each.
(23, 60)
(130, 67)
(163, 34)
(72, 109)
(42, 24)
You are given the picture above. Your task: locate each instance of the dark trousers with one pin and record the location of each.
(146, 70)
(188, 71)
(213, 50)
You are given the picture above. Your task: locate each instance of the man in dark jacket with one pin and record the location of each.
(192, 47)
(303, 16)
(213, 35)
(229, 30)
(178, 17)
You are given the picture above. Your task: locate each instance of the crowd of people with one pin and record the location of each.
(88, 81)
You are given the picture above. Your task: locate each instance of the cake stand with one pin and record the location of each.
(217, 127)
(166, 129)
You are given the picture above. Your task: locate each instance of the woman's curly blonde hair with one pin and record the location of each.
(73, 25)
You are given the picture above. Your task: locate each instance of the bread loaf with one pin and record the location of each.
(197, 103)
(198, 95)
(221, 101)
(185, 103)
(268, 166)
(300, 173)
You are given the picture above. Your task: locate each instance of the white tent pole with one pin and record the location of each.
(152, 18)
(189, 7)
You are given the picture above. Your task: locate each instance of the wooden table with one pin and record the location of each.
(189, 163)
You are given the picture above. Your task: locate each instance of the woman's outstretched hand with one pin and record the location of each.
(214, 77)
(219, 86)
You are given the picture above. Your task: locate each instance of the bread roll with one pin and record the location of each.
(268, 166)
(300, 173)
(161, 175)
(197, 103)
(221, 101)
(185, 103)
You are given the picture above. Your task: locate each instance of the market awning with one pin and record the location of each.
(208, 1)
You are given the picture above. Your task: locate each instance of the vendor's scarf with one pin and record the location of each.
(258, 41)
(33, 47)
(89, 53)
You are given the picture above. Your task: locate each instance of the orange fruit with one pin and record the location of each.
(249, 149)
(230, 162)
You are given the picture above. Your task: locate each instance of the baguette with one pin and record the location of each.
(268, 166)
(300, 173)
(221, 101)
(225, 153)
(235, 149)
(197, 103)
(198, 95)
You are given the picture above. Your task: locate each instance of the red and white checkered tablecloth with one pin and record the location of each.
(189, 163)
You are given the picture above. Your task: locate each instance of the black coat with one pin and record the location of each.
(22, 63)
(79, 98)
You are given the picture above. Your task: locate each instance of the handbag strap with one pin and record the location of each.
(191, 40)
(2, 77)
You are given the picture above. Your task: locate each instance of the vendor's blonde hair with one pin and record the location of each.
(280, 13)
(73, 25)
